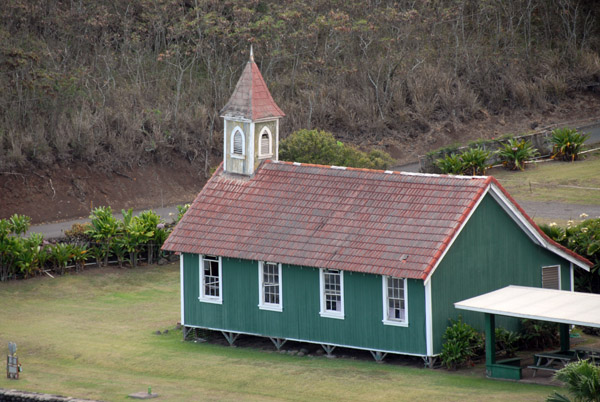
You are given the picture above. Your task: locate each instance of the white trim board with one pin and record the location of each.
(518, 217)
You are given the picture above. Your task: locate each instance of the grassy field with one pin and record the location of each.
(91, 335)
(573, 183)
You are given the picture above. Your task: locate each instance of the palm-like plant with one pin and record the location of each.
(567, 144)
(103, 230)
(475, 161)
(514, 153)
(582, 379)
(450, 164)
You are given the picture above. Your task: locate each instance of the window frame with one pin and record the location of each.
(323, 311)
(384, 288)
(558, 269)
(235, 131)
(203, 297)
(266, 131)
(261, 290)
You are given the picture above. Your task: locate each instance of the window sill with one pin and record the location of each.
(268, 307)
(265, 156)
(213, 300)
(330, 314)
(395, 323)
(236, 156)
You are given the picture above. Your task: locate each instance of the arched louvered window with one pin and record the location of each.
(237, 143)
(265, 143)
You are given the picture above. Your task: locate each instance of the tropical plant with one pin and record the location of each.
(554, 232)
(19, 224)
(507, 341)
(60, 255)
(181, 210)
(515, 153)
(538, 334)
(80, 255)
(136, 234)
(475, 161)
(104, 227)
(582, 379)
(155, 231)
(450, 164)
(567, 144)
(462, 342)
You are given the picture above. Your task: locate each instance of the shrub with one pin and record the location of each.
(462, 342)
(450, 164)
(538, 334)
(475, 161)
(514, 153)
(181, 210)
(104, 227)
(472, 161)
(507, 342)
(320, 147)
(582, 379)
(567, 144)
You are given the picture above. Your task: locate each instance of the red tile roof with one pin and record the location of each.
(251, 98)
(362, 220)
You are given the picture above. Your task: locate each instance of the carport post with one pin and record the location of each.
(490, 339)
(565, 343)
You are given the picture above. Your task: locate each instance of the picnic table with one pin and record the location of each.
(588, 352)
(552, 361)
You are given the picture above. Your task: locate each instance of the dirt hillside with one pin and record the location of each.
(66, 192)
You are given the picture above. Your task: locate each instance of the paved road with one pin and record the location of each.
(547, 210)
(56, 229)
(533, 209)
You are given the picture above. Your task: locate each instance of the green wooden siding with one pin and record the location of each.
(490, 253)
(300, 319)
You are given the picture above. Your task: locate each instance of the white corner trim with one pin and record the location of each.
(518, 217)
(572, 274)
(428, 319)
(449, 246)
(328, 313)
(269, 306)
(384, 288)
(225, 136)
(277, 140)
(251, 140)
(181, 286)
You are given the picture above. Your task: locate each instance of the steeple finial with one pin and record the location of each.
(251, 55)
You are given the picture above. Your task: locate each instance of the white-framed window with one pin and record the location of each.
(238, 143)
(269, 286)
(265, 143)
(395, 307)
(332, 293)
(551, 277)
(211, 283)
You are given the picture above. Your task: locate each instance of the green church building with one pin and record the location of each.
(338, 256)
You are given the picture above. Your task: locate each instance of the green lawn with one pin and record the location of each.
(573, 183)
(91, 335)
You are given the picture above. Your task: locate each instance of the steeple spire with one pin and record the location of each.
(251, 54)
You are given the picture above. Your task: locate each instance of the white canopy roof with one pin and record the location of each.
(538, 304)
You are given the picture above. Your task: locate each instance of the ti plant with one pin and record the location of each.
(567, 144)
(104, 227)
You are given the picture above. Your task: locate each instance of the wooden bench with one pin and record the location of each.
(509, 369)
(536, 368)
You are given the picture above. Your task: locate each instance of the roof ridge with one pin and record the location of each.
(379, 170)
